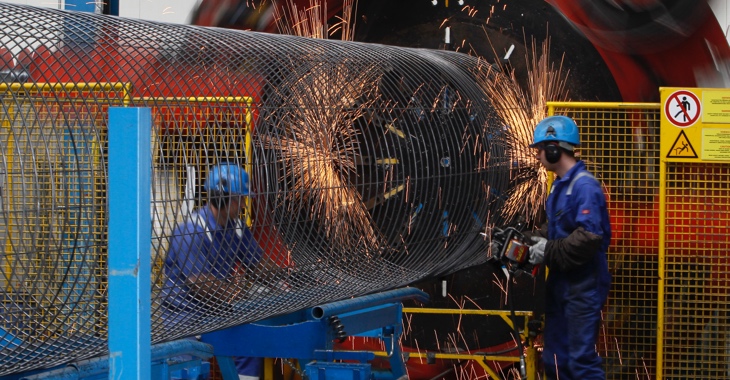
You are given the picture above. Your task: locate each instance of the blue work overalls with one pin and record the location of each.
(574, 298)
(200, 246)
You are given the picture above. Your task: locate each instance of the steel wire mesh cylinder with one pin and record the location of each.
(371, 167)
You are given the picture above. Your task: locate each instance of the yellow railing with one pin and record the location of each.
(620, 145)
(481, 358)
(67, 122)
(667, 313)
(57, 109)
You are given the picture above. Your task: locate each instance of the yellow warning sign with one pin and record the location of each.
(682, 148)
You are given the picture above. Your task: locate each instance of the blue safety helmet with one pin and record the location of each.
(557, 128)
(227, 179)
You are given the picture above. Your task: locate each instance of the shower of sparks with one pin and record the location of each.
(320, 146)
(473, 302)
(418, 349)
(646, 369)
(520, 110)
(618, 351)
(502, 286)
(347, 22)
(312, 21)
(458, 329)
(407, 320)
(321, 150)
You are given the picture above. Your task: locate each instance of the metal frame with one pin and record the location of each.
(483, 358)
(129, 261)
(309, 335)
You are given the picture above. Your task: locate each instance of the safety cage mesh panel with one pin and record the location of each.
(696, 271)
(620, 145)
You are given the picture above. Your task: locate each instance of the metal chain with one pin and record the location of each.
(295, 368)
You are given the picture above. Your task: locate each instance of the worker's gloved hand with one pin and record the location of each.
(537, 250)
(494, 249)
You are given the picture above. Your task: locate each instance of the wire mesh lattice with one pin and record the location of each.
(620, 145)
(371, 167)
(696, 271)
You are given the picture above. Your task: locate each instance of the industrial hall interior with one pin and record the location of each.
(364, 189)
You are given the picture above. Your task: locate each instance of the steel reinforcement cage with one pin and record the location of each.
(371, 167)
(667, 314)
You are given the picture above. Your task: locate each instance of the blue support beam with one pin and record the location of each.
(129, 267)
(113, 7)
(80, 5)
(310, 334)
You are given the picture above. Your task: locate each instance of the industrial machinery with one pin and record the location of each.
(616, 51)
(509, 248)
(372, 167)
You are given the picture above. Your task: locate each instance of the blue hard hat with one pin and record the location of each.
(556, 128)
(227, 178)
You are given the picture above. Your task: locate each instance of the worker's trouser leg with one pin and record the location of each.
(571, 332)
(249, 368)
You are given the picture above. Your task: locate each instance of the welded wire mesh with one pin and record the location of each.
(620, 145)
(696, 271)
(371, 167)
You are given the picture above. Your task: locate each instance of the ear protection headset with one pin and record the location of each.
(556, 133)
(552, 153)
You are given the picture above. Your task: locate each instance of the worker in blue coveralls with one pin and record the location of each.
(208, 247)
(573, 245)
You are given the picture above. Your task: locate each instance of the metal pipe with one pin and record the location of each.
(339, 307)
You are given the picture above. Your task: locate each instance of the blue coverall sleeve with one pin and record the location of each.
(185, 244)
(586, 228)
(589, 206)
(250, 252)
(189, 246)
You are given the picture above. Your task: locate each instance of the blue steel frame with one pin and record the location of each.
(80, 5)
(309, 335)
(129, 262)
(89, 6)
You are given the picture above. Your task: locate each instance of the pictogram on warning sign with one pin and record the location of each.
(682, 108)
(682, 148)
